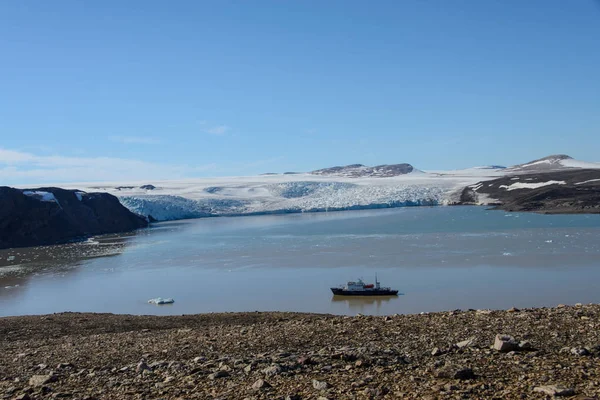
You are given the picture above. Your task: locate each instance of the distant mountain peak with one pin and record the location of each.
(360, 170)
(553, 157)
(548, 163)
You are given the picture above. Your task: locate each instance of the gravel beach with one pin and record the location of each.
(476, 354)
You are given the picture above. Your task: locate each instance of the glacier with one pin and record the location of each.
(287, 193)
(310, 192)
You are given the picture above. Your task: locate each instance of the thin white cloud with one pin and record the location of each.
(217, 130)
(18, 168)
(134, 140)
(213, 129)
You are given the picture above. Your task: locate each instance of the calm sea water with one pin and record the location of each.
(439, 258)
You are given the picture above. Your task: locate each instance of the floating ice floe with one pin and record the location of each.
(160, 300)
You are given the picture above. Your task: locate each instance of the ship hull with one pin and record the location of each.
(374, 292)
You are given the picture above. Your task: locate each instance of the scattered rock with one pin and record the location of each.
(40, 380)
(505, 343)
(451, 372)
(218, 374)
(320, 385)
(580, 351)
(554, 390)
(305, 360)
(141, 367)
(272, 370)
(346, 356)
(525, 345)
(260, 384)
(465, 343)
(11, 390)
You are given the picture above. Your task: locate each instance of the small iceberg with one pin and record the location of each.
(160, 300)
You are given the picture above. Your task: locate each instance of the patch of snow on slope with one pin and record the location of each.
(589, 181)
(571, 163)
(523, 185)
(42, 196)
(538, 163)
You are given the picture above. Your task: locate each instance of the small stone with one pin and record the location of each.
(141, 367)
(40, 380)
(465, 343)
(450, 387)
(525, 345)
(554, 390)
(10, 390)
(199, 359)
(248, 368)
(450, 372)
(505, 343)
(319, 385)
(219, 374)
(169, 379)
(579, 351)
(304, 360)
(23, 396)
(272, 370)
(260, 384)
(436, 352)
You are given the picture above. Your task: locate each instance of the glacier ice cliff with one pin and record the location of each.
(282, 197)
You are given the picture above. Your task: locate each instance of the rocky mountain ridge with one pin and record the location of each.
(360, 170)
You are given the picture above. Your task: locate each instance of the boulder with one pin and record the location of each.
(505, 343)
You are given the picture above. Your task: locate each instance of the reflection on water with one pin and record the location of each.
(362, 304)
(441, 258)
(19, 265)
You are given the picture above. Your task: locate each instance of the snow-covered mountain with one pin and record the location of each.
(556, 162)
(337, 188)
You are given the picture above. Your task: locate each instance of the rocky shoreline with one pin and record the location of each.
(448, 355)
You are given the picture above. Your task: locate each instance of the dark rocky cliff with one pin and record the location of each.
(43, 216)
(572, 191)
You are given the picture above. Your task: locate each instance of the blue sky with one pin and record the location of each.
(111, 90)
